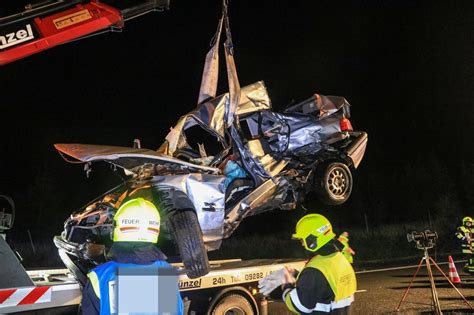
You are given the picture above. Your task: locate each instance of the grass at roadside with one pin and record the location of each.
(382, 246)
(378, 247)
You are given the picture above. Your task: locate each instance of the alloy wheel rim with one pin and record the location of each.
(337, 182)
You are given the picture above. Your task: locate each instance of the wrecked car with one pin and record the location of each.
(207, 177)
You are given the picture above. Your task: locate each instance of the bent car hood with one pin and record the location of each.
(126, 158)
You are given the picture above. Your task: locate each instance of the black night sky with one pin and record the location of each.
(406, 67)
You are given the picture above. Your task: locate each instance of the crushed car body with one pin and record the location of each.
(208, 175)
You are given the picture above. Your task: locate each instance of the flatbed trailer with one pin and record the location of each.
(231, 284)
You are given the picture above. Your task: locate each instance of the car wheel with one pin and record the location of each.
(188, 236)
(233, 304)
(334, 183)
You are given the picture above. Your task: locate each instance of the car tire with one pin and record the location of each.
(188, 237)
(233, 304)
(333, 183)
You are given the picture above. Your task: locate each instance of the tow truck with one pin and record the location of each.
(231, 284)
(46, 24)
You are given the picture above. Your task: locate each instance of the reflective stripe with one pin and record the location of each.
(283, 296)
(289, 303)
(320, 307)
(95, 282)
(334, 305)
(342, 303)
(296, 301)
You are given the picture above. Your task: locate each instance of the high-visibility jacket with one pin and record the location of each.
(465, 235)
(325, 286)
(347, 251)
(104, 278)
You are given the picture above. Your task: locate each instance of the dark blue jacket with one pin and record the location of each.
(120, 255)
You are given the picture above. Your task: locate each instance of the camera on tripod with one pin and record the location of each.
(423, 240)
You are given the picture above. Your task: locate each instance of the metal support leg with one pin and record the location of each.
(452, 284)
(409, 286)
(434, 293)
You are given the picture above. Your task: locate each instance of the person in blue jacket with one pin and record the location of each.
(136, 231)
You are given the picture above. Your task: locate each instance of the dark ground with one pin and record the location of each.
(382, 291)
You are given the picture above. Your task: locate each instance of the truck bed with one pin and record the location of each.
(57, 288)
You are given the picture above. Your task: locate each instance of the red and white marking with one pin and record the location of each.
(23, 296)
(453, 273)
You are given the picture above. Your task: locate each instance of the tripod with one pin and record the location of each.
(434, 294)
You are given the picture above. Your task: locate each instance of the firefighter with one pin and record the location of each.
(135, 234)
(346, 250)
(327, 283)
(464, 234)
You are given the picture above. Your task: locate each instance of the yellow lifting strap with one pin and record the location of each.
(289, 304)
